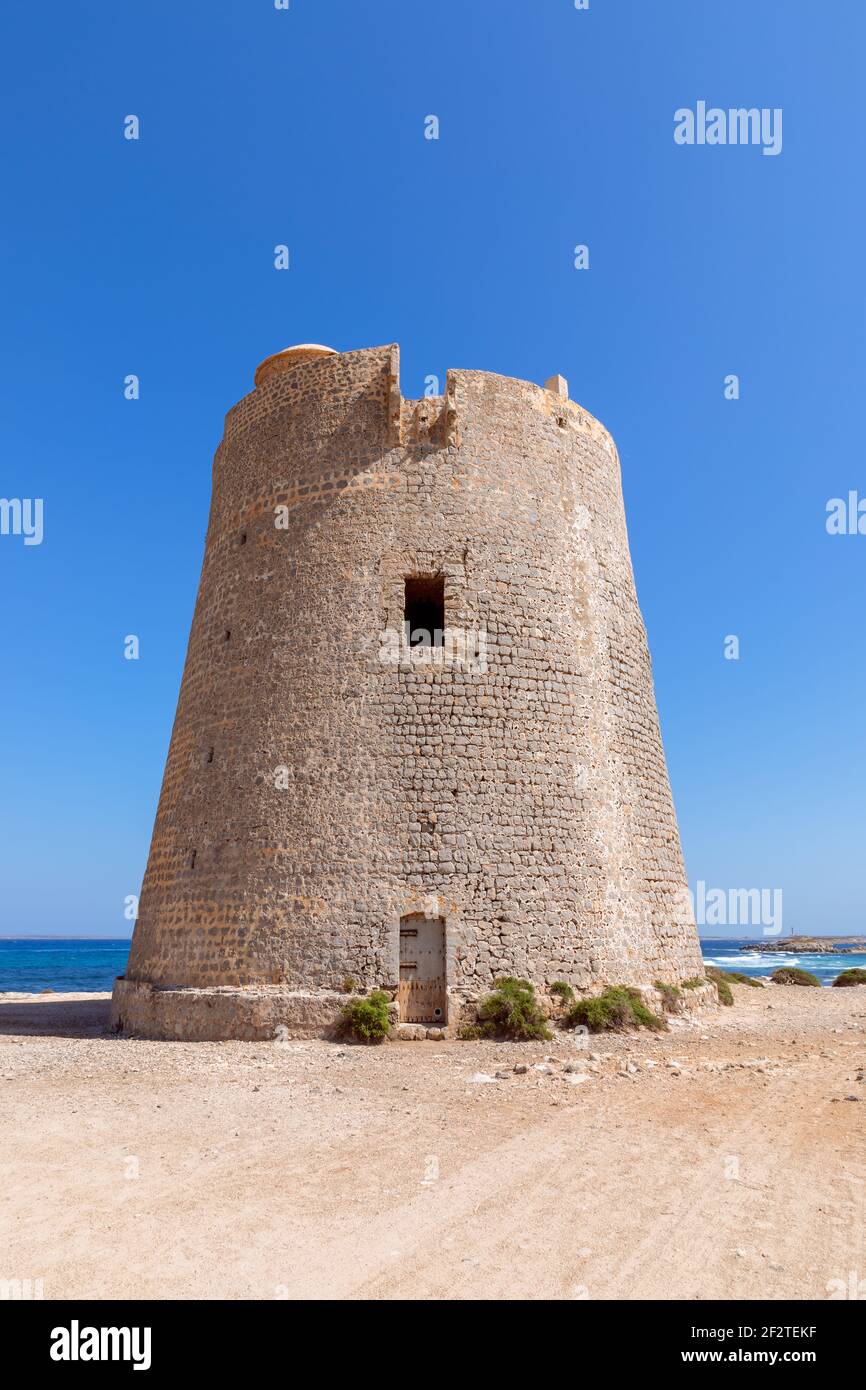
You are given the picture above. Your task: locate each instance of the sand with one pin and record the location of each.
(314, 1170)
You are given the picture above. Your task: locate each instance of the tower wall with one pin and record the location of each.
(317, 789)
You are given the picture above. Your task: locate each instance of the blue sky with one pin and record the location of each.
(306, 127)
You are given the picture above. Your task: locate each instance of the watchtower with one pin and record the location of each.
(416, 744)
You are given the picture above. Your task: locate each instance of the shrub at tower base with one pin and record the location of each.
(366, 1020)
(511, 1011)
(615, 1010)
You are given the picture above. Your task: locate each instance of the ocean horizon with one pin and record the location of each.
(89, 964)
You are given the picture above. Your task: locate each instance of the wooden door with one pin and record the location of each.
(421, 995)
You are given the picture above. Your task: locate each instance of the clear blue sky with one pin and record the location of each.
(306, 127)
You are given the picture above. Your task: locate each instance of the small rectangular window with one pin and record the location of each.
(424, 609)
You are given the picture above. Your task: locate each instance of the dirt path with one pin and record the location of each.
(244, 1170)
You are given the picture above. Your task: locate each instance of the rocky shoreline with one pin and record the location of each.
(819, 945)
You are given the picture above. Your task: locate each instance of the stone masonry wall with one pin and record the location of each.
(315, 791)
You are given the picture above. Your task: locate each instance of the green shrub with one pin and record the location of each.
(367, 1019)
(671, 996)
(696, 982)
(723, 979)
(511, 1011)
(560, 990)
(722, 984)
(854, 976)
(793, 975)
(618, 1008)
(349, 985)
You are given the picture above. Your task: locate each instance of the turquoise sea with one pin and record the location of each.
(73, 965)
(68, 966)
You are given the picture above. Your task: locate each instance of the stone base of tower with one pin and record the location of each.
(257, 1014)
(269, 1013)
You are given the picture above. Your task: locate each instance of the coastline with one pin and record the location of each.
(66, 965)
(830, 945)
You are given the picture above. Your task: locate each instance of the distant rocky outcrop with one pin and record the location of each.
(825, 945)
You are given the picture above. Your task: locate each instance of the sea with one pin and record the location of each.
(67, 965)
(89, 965)
(740, 954)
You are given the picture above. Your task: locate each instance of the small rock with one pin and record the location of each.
(521, 1069)
(480, 1078)
(411, 1032)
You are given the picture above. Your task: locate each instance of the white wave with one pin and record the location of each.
(724, 961)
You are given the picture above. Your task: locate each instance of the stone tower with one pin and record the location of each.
(416, 744)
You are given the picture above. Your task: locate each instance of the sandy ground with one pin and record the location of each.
(313, 1170)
